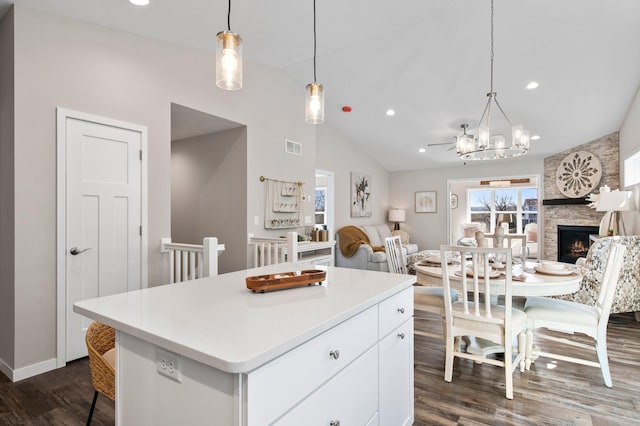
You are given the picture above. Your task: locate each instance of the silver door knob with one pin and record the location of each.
(76, 251)
(334, 354)
(401, 310)
(401, 335)
(334, 423)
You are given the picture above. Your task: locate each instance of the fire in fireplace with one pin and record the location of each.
(573, 242)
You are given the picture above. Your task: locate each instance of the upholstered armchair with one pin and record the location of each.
(627, 297)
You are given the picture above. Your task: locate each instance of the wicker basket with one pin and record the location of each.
(100, 338)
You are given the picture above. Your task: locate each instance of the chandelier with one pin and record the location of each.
(487, 146)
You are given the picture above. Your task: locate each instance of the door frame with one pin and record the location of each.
(62, 114)
(329, 201)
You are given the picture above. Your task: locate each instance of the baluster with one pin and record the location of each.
(192, 266)
(172, 262)
(185, 265)
(178, 256)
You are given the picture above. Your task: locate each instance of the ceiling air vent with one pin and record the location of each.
(293, 147)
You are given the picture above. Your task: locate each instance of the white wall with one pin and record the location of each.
(7, 218)
(430, 230)
(629, 145)
(65, 63)
(208, 182)
(335, 153)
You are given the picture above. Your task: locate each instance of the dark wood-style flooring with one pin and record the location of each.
(552, 393)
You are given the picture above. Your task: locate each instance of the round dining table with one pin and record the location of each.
(534, 284)
(530, 283)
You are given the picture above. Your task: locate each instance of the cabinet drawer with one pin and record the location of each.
(395, 310)
(279, 385)
(351, 397)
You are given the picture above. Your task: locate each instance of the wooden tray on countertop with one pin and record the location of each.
(282, 280)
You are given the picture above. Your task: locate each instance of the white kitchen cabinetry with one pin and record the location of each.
(396, 376)
(319, 355)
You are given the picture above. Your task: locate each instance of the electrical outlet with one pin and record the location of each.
(307, 220)
(169, 364)
(256, 220)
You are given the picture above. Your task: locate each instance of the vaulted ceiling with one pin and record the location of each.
(428, 60)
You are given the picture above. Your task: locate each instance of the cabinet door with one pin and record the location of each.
(350, 398)
(396, 376)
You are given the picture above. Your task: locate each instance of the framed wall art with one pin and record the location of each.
(426, 201)
(360, 195)
(454, 201)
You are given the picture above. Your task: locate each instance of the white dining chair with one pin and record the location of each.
(395, 257)
(570, 317)
(425, 298)
(474, 316)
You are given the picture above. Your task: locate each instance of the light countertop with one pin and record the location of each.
(219, 322)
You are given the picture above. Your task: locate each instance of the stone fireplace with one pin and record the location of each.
(573, 242)
(559, 210)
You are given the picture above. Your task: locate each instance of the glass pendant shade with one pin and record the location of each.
(315, 103)
(228, 60)
(464, 144)
(483, 137)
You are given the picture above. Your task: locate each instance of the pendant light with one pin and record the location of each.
(228, 57)
(486, 145)
(315, 91)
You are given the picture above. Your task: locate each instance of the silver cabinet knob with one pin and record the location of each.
(76, 251)
(334, 423)
(335, 355)
(401, 310)
(401, 335)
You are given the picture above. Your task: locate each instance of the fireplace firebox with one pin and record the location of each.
(573, 242)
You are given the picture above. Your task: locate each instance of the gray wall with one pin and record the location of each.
(337, 154)
(208, 183)
(7, 218)
(629, 145)
(114, 74)
(429, 230)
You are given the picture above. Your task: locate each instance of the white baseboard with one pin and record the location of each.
(6, 370)
(28, 371)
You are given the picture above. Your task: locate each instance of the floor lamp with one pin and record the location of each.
(616, 202)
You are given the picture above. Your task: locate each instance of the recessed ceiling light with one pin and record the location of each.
(421, 150)
(535, 137)
(391, 112)
(139, 2)
(532, 85)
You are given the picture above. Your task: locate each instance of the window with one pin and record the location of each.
(321, 206)
(512, 207)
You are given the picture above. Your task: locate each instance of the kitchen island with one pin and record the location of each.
(210, 351)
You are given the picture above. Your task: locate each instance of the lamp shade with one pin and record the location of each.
(397, 215)
(615, 201)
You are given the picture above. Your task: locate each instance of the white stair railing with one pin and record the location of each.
(270, 251)
(192, 261)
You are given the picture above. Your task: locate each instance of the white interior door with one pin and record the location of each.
(103, 218)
